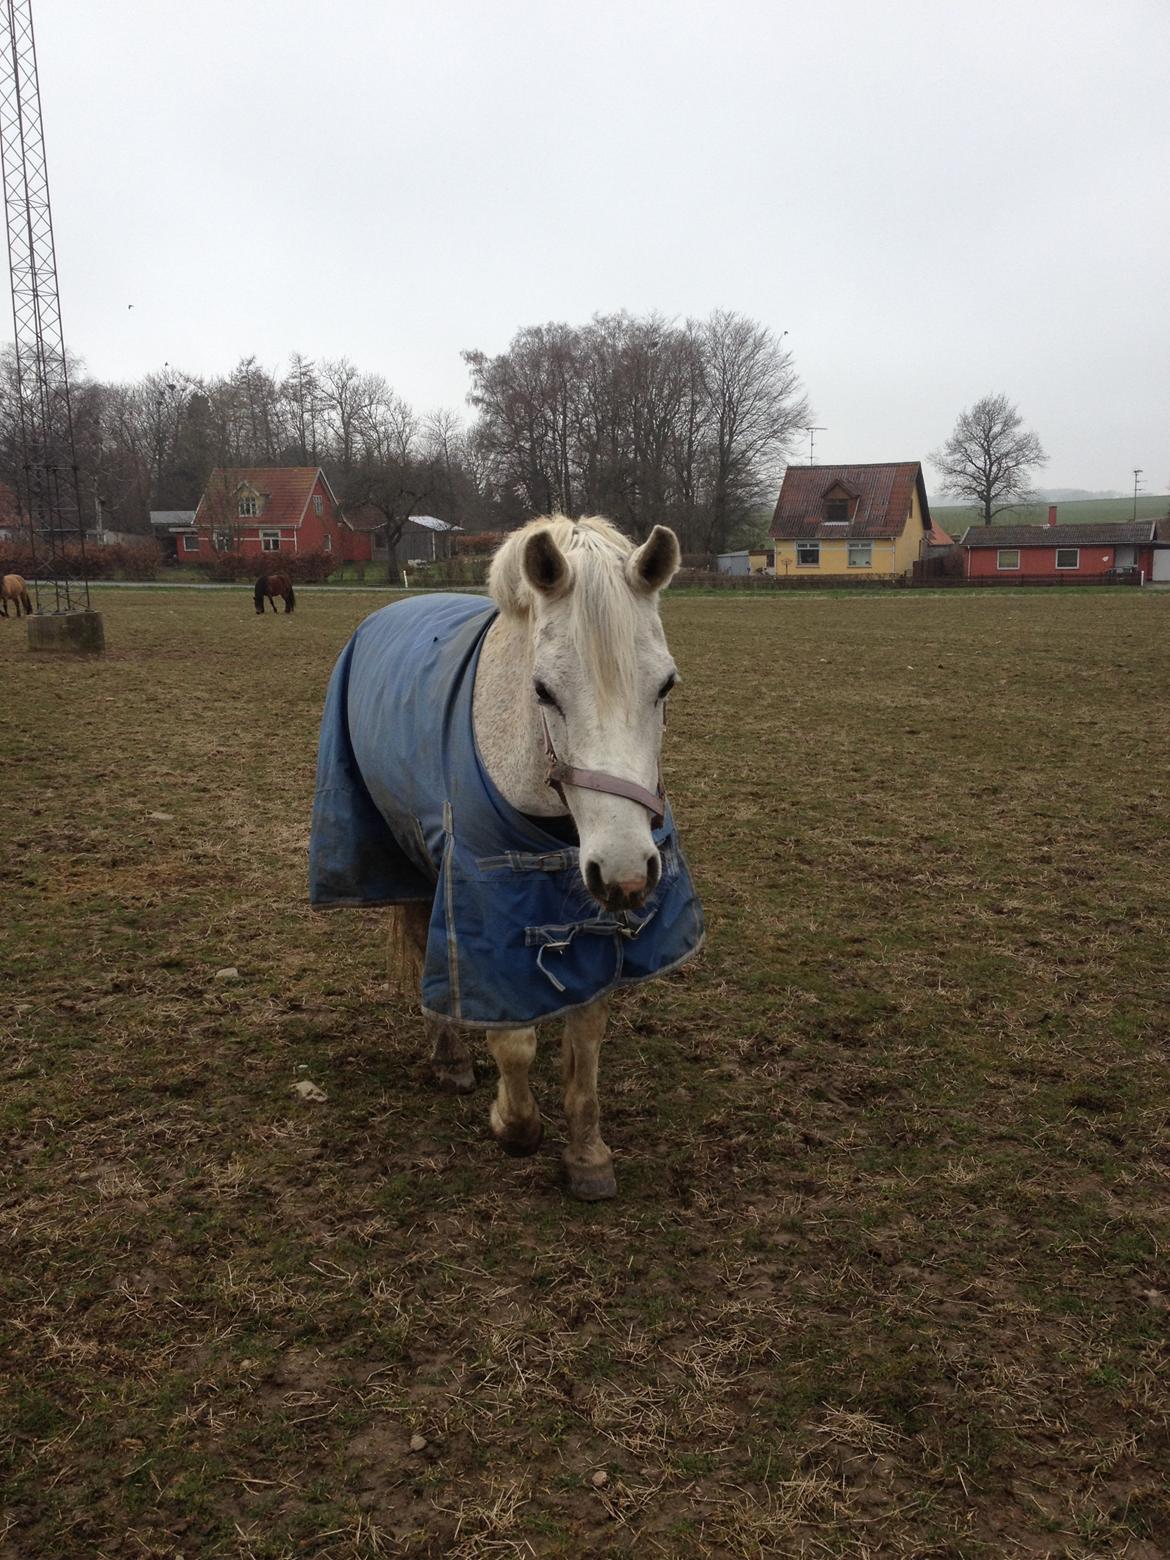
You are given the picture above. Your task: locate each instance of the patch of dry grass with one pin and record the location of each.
(887, 1274)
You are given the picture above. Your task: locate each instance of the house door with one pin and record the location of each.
(1125, 558)
(1161, 570)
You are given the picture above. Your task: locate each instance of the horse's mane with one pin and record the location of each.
(603, 619)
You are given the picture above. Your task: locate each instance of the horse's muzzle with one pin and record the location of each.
(627, 893)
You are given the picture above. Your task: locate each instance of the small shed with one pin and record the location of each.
(733, 562)
(168, 525)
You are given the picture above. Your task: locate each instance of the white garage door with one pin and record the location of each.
(1161, 564)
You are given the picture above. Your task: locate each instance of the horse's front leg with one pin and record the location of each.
(588, 1160)
(515, 1119)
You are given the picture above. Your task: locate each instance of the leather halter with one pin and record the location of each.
(560, 775)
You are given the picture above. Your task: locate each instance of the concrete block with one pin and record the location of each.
(67, 633)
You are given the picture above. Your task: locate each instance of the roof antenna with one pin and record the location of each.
(812, 429)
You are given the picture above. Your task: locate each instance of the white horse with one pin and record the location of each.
(570, 681)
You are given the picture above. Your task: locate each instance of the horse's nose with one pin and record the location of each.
(626, 893)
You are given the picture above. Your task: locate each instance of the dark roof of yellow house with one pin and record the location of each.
(864, 501)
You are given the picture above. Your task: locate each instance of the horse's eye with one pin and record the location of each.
(667, 686)
(544, 695)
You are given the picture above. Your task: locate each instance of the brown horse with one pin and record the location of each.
(269, 586)
(13, 588)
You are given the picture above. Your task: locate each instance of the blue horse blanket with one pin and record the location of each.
(405, 810)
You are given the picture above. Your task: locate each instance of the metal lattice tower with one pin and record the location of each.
(49, 489)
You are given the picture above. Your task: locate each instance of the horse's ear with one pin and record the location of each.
(544, 566)
(654, 564)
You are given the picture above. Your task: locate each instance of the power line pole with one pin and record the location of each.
(51, 492)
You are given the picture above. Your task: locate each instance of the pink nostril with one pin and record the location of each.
(632, 887)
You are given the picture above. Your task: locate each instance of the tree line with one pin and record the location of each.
(638, 418)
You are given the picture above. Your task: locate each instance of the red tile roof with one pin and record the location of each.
(880, 501)
(1110, 533)
(284, 493)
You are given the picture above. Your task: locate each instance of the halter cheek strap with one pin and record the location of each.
(560, 775)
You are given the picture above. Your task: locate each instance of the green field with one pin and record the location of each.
(889, 1269)
(1090, 511)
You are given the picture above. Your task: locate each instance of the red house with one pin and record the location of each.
(266, 509)
(1076, 554)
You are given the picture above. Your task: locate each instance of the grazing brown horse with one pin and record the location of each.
(269, 586)
(13, 588)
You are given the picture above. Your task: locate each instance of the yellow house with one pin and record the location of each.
(851, 520)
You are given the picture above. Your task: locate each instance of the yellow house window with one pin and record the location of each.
(861, 555)
(808, 555)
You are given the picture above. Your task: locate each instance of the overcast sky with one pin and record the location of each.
(934, 200)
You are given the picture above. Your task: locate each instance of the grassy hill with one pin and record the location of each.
(1150, 506)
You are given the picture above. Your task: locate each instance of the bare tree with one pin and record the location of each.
(301, 392)
(640, 419)
(525, 398)
(756, 411)
(347, 397)
(989, 457)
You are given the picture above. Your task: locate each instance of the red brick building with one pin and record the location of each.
(1084, 554)
(266, 509)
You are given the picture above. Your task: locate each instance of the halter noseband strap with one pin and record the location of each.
(560, 775)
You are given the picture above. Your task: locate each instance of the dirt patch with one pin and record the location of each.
(887, 1273)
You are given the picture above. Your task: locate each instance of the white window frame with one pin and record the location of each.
(1007, 552)
(248, 507)
(190, 542)
(1076, 552)
(808, 563)
(318, 504)
(856, 546)
(223, 541)
(327, 544)
(269, 541)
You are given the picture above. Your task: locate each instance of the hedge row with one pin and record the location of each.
(114, 561)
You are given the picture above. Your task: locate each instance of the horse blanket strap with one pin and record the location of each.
(560, 775)
(405, 811)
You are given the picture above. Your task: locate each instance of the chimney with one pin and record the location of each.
(1052, 514)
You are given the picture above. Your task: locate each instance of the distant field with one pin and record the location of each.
(889, 1271)
(1150, 506)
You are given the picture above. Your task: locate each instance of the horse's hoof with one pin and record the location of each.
(455, 1080)
(591, 1185)
(520, 1139)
